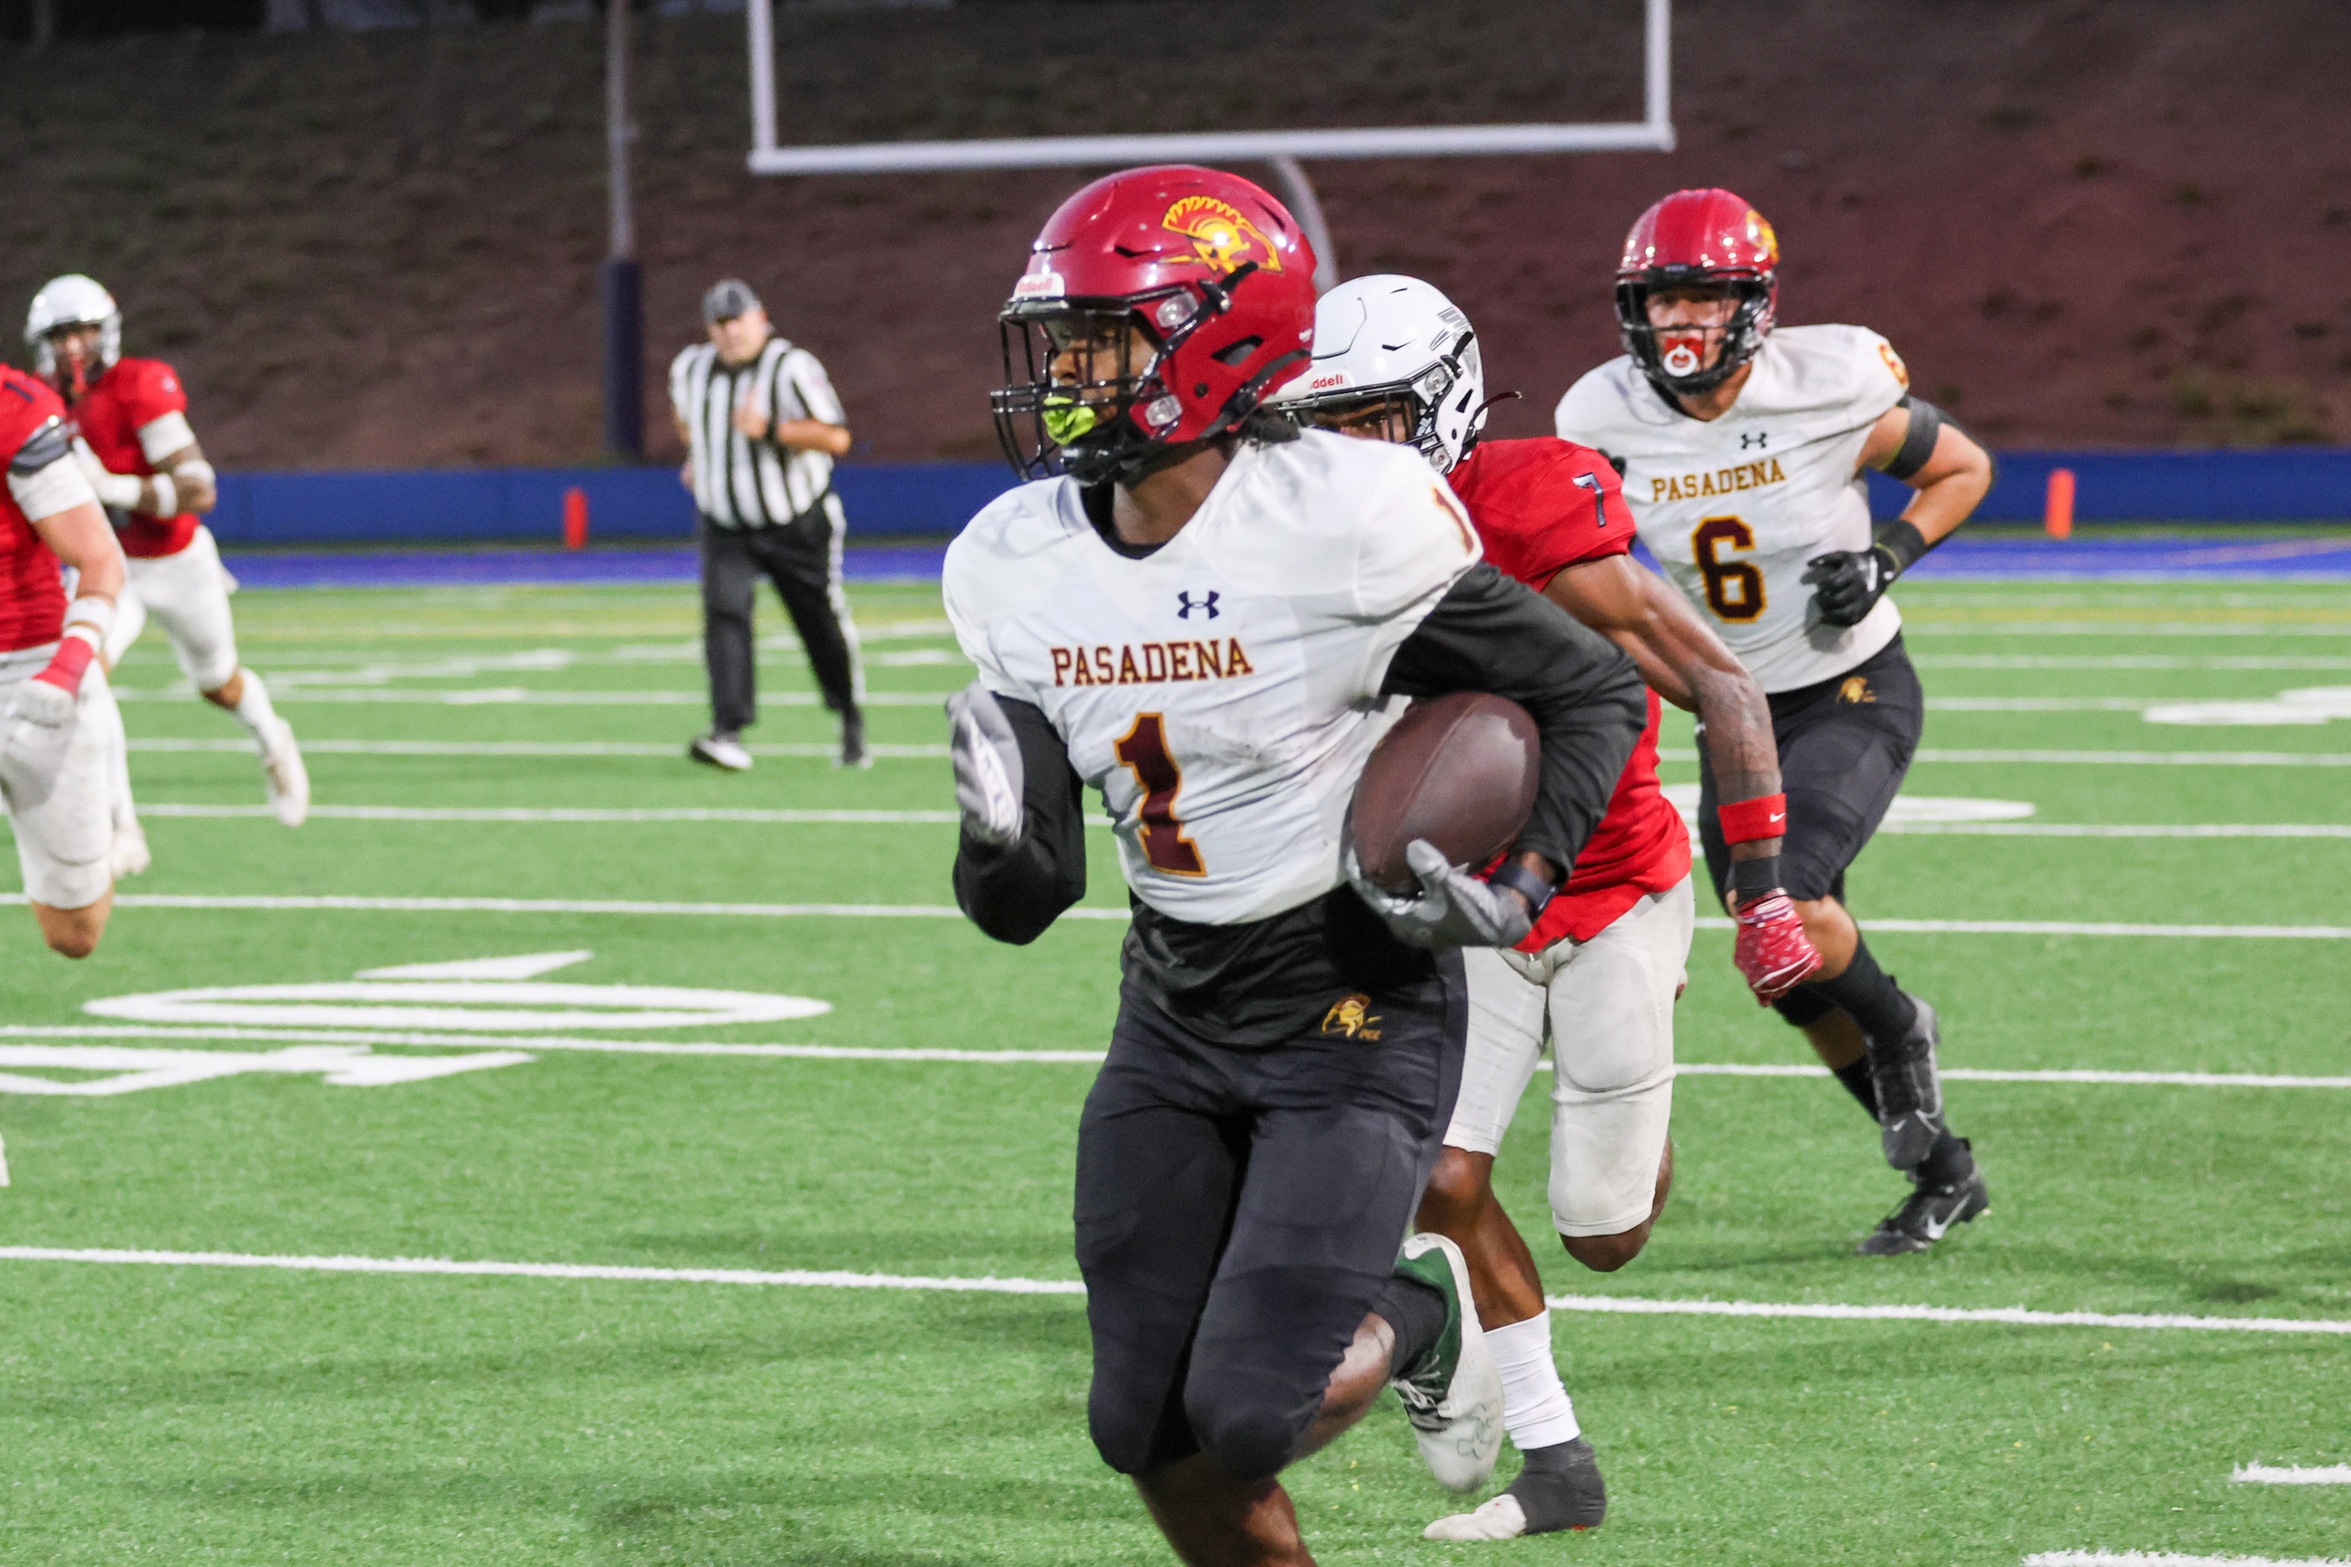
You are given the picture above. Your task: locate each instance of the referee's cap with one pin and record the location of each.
(727, 299)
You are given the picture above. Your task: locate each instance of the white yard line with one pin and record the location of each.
(2266, 1474)
(675, 752)
(2308, 830)
(1616, 1305)
(2169, 1559)
(918, 1053)
(786, 816)
(2165, 661)
(631, 906)
(504, 696)
(2087, 758)
(1927, 630)
(491, 813)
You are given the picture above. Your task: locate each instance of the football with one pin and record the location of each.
(1459, 770)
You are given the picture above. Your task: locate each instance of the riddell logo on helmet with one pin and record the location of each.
(1221, 238)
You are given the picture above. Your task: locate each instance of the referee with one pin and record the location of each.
(762, 425)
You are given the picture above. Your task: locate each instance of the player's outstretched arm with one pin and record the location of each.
(1688, 665)
(182, 482)
(1021, 860)
(1490, 633)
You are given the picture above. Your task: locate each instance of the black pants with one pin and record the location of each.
(1238, 1210)
(1845, 746)
(802, 559)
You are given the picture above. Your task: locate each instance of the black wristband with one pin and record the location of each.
(1902, 540)
(1752, 879)
(1526, 883)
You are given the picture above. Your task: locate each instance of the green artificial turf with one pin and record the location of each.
(210, 1414)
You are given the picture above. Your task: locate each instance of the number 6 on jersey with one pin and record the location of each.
(1143, 748)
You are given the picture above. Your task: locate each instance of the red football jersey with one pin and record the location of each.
(32, 591)
(1541, 506)
(132, 394)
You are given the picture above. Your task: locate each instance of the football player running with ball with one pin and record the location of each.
(1204, 617)
(141, 456)
(1395, 360)
(58, 727)
(1742, 450)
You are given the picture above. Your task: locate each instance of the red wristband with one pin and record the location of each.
(64, 671)
(1744, 821)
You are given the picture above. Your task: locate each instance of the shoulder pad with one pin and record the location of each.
(47, 444)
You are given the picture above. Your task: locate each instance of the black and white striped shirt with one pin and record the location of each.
(742, 483)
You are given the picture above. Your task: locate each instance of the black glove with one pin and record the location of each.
(1847, 584)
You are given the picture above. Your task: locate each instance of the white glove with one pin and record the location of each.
(1452, 908)
(988, 774)
(34, 735)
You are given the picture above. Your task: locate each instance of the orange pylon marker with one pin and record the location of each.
(2057, 516)
(575, 518)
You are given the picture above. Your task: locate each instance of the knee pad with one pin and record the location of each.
(1234, 1418)
(1803, 1006)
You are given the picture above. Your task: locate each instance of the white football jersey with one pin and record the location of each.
(1222, 692)
(1734, 507)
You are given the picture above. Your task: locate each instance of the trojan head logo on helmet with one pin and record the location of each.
(1697, 289)
(1159, 307)
(1394, 360)
(63, 304)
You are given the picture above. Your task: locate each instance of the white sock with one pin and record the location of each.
(1535, 1407)
(255, 710)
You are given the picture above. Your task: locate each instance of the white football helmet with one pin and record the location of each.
(72, 300)
(1394, 349)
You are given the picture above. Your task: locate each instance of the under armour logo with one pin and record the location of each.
(1754, 442)
(1185, 604)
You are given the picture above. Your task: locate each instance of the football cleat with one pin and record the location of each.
(1453, 1393)
(721, 749)
(1539, 1501)
(128, 855)
(1910, 1092)
(1928, 1214)
(287, 780)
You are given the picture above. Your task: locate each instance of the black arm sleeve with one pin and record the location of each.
(1491, 633)
(1013, 892)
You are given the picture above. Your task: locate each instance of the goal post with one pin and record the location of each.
(1653, 132)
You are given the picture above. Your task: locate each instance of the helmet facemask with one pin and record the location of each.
(1420, 413)
(1083, 389)
(1674, 367)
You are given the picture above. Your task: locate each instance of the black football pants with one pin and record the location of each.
(1239, 1209)
(803, 559)
(1845, 746)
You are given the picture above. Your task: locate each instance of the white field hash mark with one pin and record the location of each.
(2266, 1474)
(995, 1285)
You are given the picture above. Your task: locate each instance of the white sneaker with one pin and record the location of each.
(1500, 1518)
(128, 856)
(721, 750)
(287, 778)
(1453, 1395)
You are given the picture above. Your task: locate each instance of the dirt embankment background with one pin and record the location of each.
(2083, 223)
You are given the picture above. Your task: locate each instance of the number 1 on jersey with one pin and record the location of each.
(1143, 749)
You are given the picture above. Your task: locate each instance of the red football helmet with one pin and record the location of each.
(1707, 239)
(1160, 305)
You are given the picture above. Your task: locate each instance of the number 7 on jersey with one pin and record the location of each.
(1143, 749)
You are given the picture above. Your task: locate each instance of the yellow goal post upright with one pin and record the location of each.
(1282, 150)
